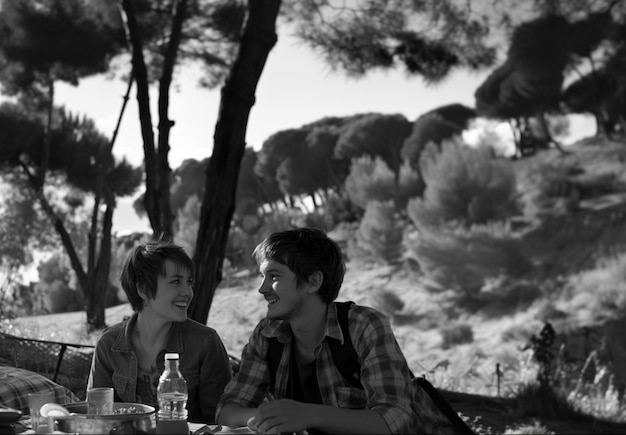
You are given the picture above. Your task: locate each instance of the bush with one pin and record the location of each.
(340, 209)
(379, 234)
(469, 260)
(464, 185)
(372, 180)
(456, 334)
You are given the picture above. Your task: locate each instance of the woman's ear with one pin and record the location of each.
(143, 293)
(315, 281)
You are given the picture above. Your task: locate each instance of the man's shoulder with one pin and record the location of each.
(365, 312)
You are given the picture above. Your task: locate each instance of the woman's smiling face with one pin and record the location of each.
(173, 293)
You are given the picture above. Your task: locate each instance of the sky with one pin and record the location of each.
(296, 88)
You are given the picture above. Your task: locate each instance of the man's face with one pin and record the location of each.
(173, 294)
(280, 290)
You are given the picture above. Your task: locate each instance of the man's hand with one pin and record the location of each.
(278, 416)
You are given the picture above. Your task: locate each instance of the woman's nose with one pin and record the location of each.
(263, 287)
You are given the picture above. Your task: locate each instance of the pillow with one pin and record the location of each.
(16, 384)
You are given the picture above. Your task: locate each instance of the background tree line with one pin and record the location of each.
(373, 169)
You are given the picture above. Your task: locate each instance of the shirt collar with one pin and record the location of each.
(281, 330)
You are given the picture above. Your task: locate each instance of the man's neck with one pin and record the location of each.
(309, 329)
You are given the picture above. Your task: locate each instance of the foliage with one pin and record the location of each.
(380, 233)
(600, 291)
(376, 135)
(54, 286)
(464, 185)
(55, 40)
(453, 335)
(427, 38)
(435, 126)
(370, 179)
(341, 209)
(466, 260)
(209, 35)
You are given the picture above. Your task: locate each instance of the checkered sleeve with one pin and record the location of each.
(384, 371)
(250, 385)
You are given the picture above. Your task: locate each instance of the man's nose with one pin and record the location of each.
(263, 287)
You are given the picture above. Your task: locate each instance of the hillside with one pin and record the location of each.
(575, 253)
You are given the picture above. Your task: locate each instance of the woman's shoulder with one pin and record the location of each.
(111, 333)
(193, 327)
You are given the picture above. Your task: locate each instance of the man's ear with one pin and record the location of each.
(315, 281)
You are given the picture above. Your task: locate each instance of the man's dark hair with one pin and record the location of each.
(305, 251)
(145, 263)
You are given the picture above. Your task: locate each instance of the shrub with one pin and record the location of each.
(372, 180)
(388, 302)
(464, 185)
(456, 334)
(339, 208)
(380, 233)
(468, 260)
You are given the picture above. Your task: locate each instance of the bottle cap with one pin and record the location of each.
(171, 356)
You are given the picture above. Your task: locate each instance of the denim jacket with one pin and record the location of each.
(203, 362)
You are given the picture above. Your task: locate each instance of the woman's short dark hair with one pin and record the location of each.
(145, 263)
(305, 251)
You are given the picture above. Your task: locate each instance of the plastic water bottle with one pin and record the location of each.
(172, 397)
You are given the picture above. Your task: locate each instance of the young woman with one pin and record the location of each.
(157, 278)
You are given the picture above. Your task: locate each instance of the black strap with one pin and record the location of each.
(442, 404)
(344, 355)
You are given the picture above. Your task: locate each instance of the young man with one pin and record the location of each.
(157, 279)
(302, 271)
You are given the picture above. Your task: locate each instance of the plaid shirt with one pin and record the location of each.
(385, 376)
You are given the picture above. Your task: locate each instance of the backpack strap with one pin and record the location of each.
(442, 404)
(274, 353)
(345, 357)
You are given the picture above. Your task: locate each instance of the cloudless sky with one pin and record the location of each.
(296, 88)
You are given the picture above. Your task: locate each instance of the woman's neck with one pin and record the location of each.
(150, 329)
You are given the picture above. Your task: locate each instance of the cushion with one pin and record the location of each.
(16, 384)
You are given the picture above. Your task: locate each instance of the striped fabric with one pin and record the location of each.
(16, 384)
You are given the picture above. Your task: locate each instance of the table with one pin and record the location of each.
(16, 384)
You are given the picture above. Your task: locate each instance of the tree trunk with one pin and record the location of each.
(165, 124)
(140, 73)
(218, 204)
(96, 295)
